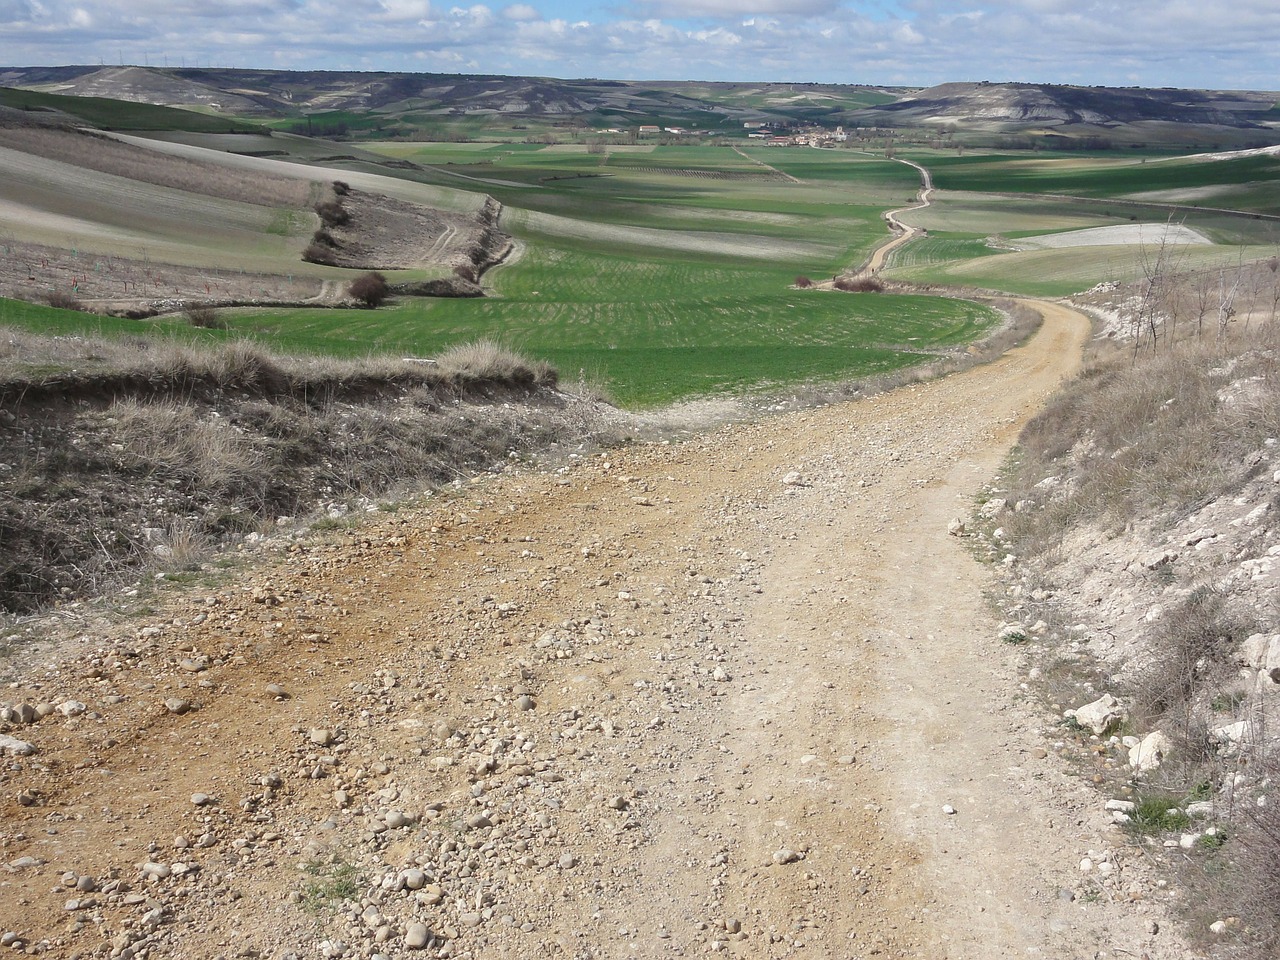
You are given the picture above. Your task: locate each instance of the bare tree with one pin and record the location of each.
(1228, 288)
(1159, 268)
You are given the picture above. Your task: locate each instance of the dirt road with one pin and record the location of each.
(702, 697)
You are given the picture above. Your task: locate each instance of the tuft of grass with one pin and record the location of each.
(330, 886)
(487, 361)
(1158, 813)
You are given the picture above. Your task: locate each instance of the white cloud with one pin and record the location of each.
(736, 9)
(405, 11)
(1154, 42)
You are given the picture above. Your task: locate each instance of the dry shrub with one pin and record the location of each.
(341, 188)
(172, 438)
(1194, 645)
(803, 282)
(316, 252)
(332, 213)
(324, 238)
(466, 271)
(63, 300)
(859, 285)
(487, 361)
(371, 289)
(203, 315)
(1162, 436)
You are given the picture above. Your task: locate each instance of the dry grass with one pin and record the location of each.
(132, 456)
(1161, 436)
(487, 361)
(1148, 442)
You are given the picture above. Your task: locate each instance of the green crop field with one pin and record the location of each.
(658, 284)
(1240, 183)
(122, 115)
(1057, 272)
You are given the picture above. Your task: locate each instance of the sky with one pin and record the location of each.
(1217, 44)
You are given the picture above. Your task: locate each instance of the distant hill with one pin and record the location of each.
(348, 104)
(282, 94)
(1083, 111)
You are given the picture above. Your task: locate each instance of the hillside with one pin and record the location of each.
(1084, 112)
(382, 105)
(392, 101)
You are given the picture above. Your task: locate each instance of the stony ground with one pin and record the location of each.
(740, 694)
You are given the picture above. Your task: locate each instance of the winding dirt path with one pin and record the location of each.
(703, 697)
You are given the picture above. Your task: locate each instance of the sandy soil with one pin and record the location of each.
(740, 694)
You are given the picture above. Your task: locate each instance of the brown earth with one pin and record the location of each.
(759, 674)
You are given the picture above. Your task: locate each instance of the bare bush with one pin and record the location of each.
(204, 315)
(321, 253)
(859, 285)
(332, 213)
(803, 282)
(341, 188)
(371, 289)
(63, 300)
(1195, 643)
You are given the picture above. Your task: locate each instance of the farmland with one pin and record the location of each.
(659, 272)
(996, 218)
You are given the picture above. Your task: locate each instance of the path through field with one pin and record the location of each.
(716, 696)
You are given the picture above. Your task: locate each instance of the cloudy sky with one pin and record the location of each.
(1226, 44)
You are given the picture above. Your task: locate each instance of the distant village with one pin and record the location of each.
(770, 134)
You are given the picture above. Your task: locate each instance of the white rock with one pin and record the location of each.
(1102, 714)
(993, 508)
(1233, 734)
(793, 479)
(1124, 806)
(415, 938)
(1150, 752)
(71, 708)
(956, 527)
(15, 747)
(1218, 926)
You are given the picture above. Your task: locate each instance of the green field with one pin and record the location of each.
(670, 277)
(1241, 183)
(121, 114)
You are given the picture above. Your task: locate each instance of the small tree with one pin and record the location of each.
(370, 289)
